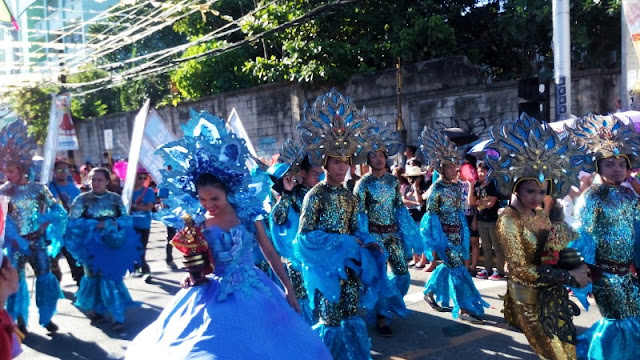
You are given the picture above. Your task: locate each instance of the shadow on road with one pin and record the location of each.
(422, 336)
(67, 347)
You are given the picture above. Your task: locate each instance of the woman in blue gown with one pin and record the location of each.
(237, 312)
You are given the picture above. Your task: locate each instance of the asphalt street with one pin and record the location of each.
(422, 334)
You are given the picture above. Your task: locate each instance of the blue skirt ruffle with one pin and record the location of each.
(611, 339)
(455, 284)
(104, 296)
(252, 323)
(335, 337)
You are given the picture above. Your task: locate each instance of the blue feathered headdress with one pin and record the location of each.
(209, 147)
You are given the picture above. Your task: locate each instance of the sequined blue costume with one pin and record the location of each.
(106, 254)
(445, 231)
(30, 206)
(388, 220)
(283, 223)
(608, 221)
(238, 314)
(336, 268)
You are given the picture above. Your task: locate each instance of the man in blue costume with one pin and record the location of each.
(445, 231)
(284, 218)
(65, 191)
(339, 259)
(388, 220)
(608, 221)
(39, 219)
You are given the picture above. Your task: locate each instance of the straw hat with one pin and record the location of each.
(413, 171)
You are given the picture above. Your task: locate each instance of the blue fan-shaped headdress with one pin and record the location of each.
(382, 138)
(334, 127)
(530, 150)
(16, 146)
(438, 149)
(292, 154)
(209, 147)
(603, 136)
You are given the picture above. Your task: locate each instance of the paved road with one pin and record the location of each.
(423, 334)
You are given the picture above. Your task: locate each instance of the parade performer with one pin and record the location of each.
(607, 217)
(387, 219)
(237, 313)
(10, 336)
(531, 159)
(339, 258)
(143, 201)
(102, 238)
(445, 231)
(39, 219)
(65, 191)
(284, 218)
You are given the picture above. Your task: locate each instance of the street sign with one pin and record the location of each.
(108, 139)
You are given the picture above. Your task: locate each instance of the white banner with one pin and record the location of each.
(50, 144)
(134, 154)
(67, 139)
(156, 134)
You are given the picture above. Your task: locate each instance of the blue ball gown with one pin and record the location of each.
(238, 314)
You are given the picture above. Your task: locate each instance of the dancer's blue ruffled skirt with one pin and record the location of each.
(252, 323)
(349, 341)
(454, 284)
(104, 296)
(611, 339)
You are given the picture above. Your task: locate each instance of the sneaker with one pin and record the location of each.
(51, 327)
(496, 277)
(147, 278)
(137, 273)
(118, 327)
(171, 265)
(472, 319)
(482, 274)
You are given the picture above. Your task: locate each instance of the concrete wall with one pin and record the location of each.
(439, 93)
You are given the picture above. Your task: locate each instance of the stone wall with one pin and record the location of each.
(439, 93)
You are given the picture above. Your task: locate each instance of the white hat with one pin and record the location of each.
(412, 170)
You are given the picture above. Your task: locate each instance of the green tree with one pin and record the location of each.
(33, 105)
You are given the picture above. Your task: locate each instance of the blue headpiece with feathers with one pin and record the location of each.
(209, 147)
(16, 146)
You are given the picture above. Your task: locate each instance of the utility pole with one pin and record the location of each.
(399, 122)
(562, 59)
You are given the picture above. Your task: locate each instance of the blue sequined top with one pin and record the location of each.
(100, 207)
(329, 208)
(607, 219)
(29, 202)
(446, 201)
(380, 197)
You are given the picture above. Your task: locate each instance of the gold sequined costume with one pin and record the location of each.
(524, 239)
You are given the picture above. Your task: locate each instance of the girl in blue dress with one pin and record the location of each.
(237, 312)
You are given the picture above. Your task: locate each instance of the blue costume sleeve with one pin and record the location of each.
(466, 236)
(57, 217)
(325, 257)
(433, 236)
(584, 244)
(584, 225)
(13, 241)
(284, 234)
(409, 232)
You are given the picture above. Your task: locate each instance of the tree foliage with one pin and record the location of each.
(508, 38)
(33, 106)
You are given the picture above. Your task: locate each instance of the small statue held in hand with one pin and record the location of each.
(194, 247)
